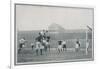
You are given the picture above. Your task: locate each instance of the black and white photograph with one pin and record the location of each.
(50, 34)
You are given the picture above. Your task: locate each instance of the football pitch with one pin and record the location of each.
(29, 55)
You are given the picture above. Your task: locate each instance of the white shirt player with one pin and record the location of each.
(77, 45)
(59, 46)
(42, 33)
(37, 45)
(63, 42)
(44, 41)
(22, 41)
(32, 44)
(41, 46)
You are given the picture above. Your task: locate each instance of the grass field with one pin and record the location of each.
(29, 55)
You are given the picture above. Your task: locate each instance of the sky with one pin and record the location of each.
(40, 17)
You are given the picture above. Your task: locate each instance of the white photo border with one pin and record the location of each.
(13, 46)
